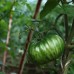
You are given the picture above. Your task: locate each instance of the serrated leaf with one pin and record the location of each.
(50, 5)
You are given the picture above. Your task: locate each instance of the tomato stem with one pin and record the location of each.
(21, 66)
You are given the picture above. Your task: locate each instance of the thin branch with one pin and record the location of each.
(70, 46)
(69, 39)
(66, 26)
(55, 23)
(66, 34)
(8, 35)
(71, 34)
(65, 54)
(60, 15)
(7, 43)
(21, 66)
(72, 43)
(37, 9)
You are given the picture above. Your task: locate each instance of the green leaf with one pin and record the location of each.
(28, 6)
(12, 53)
(50, 5)
(68, 9)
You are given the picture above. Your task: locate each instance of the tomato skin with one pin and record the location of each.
(51, 47)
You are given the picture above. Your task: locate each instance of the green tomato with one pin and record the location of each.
(51, 47)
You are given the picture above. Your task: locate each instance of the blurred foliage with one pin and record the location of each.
(22, 12)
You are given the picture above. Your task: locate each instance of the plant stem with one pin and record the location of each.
(8, 36)
(66, 26)
(21, 66)
(71, 34)
(60, 15)
(7, 43)
(25, 52)
(64, 56)
(37, 9)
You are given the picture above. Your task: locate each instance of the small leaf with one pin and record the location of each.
(12, 53)
(50, 5)
(28, 6)
(68, 9)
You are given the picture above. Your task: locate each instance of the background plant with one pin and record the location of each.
(22, 13)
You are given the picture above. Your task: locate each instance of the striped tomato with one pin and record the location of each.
(51, 47)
